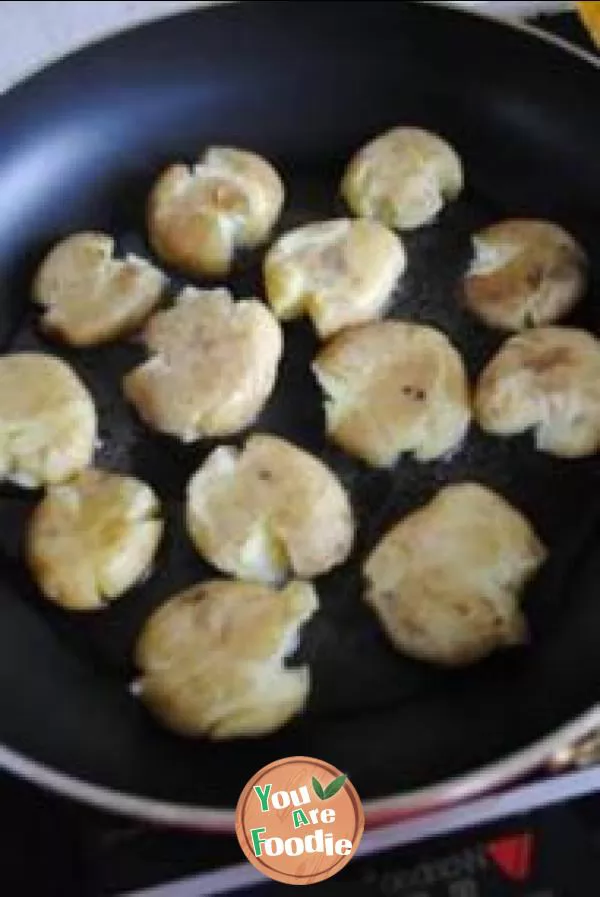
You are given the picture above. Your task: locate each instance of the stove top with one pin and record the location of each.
(53, 848)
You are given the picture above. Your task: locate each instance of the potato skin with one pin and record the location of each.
(445, 581)
(211, 658)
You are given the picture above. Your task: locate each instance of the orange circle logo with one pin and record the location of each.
(299, 820)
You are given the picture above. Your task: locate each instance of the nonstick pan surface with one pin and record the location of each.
(305, 84)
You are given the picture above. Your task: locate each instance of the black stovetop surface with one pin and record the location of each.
(53, 848)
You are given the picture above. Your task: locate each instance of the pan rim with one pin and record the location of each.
(377, 811)
(35, 69)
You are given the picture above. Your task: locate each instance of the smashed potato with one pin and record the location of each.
(211, 658)
(446, 581)
(212, 368)
(338, 272)
(403, 178)
(524, 273)
(198, 217)
(93, 538)
(546, 380)
(47, 420)
(88, 296)
(268, 510)
(393, 388)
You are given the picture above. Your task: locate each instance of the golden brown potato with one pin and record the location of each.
(547, 380)
(445, 582)
(199, 216)
(211, 658)
(393, 388)
(268, 510)
(89, 296)
(47, 420)
(403, 178)
(524, 273)
(93, 538)
(338, 272)
(212, 368)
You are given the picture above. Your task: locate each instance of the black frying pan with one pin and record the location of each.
(306, 84)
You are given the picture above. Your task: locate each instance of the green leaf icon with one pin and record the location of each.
(334, 787)
(318, 788)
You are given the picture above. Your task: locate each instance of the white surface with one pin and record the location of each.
(34, 32)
